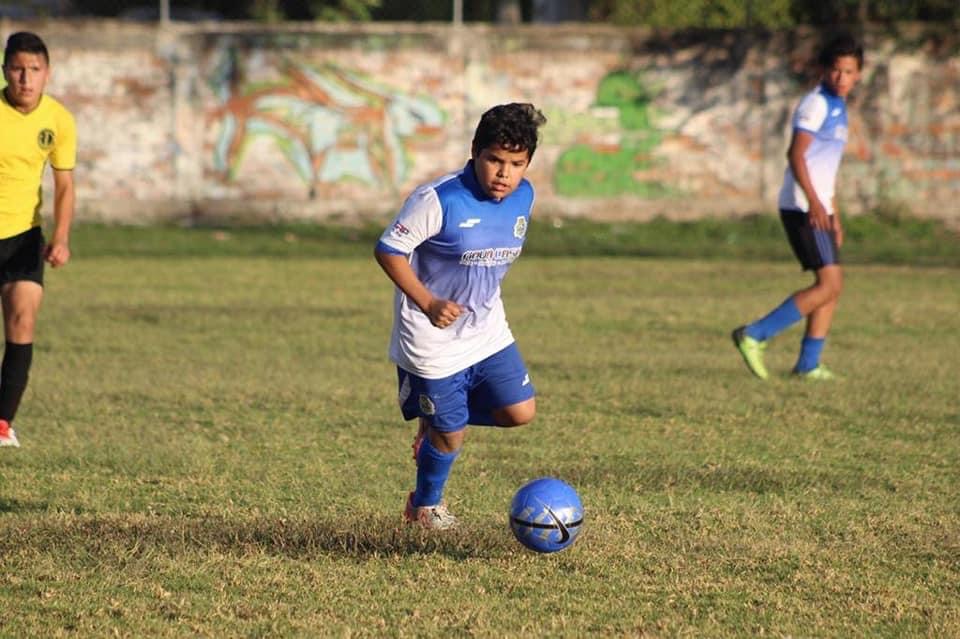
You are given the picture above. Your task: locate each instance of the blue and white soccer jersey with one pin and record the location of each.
(822, 114)
(460, 243)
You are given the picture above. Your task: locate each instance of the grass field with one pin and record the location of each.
(211, 447)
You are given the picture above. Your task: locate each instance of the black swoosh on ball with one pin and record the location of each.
(564, 533)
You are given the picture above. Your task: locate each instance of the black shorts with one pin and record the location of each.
(814, 248)
(21, 257)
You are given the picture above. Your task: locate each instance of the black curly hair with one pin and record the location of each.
(839, 47)
(512, 126)
(25, 42)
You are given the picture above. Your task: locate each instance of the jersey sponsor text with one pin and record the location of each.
(490, 256)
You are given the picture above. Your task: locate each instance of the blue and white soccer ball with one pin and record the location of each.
(546, 515)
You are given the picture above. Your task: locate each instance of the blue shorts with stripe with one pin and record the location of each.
(814, 248)
(469, 396)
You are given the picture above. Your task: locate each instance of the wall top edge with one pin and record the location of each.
(388, 28)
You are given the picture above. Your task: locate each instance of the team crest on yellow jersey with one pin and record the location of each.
(520, 228)
(45, 139)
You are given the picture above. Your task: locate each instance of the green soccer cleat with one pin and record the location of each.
(752, 351)
(818, 374)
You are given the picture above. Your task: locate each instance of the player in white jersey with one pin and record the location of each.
(447, 252)
(809, 214)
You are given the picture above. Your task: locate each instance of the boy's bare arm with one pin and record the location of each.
(57, 251)
(442, 313)
(798, 164)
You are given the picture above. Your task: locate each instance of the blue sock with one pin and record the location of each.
(433, 468)
(775, 321)
(810, 349)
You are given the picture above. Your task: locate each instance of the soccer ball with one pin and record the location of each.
(546, 515)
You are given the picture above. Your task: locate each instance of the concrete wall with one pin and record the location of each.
(313, 122)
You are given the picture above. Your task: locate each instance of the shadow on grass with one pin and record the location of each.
(129, 536)
(17, 506)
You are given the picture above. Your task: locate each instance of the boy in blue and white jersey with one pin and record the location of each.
(447, 252)
(809, 215)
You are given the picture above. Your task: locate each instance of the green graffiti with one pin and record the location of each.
(585, 171)
(623, 91)
(621, 168)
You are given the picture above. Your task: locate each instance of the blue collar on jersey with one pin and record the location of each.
(469, 179)
(828, 90)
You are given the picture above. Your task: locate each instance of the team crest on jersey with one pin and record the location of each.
(520, 228)
(45, 139)
(427, 407)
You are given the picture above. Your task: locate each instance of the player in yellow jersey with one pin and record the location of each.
(36, 130)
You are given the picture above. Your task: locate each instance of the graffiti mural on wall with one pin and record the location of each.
(331, 124)
(625, 166)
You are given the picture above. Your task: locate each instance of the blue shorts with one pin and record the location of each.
(814, 248)
(467, 397)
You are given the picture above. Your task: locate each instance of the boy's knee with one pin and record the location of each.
(830, 283)
(521, 420)
(519, 415)
(20, 327)
(834, 287)
(446, 442)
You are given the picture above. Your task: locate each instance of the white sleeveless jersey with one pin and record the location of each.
(460, 243)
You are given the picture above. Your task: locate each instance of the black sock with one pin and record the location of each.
(13, 377)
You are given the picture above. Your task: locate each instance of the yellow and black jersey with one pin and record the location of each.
(27, 142)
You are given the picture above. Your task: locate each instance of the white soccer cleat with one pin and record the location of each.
(7, 435)
(430, 517)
